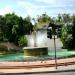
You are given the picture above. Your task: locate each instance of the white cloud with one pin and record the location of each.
(6, 10)
(37, 7)
(48, 1)
(55, 2)
(27, 4)
(30, 8)
(50, 4)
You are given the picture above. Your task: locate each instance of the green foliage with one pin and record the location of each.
(28, 26)
(22, 41)
(68, 33)
(64, 18)
(66, 38)
(13, 26)
(67, 42)
(43, 20)
(28, 18)
(2, 27)
(73, 31)
(67, 30)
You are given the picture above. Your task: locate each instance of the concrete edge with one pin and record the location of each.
(57, 71)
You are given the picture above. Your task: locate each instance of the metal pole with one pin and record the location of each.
(55, 53)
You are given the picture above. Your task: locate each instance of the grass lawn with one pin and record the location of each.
(62, 53)
(51, 54)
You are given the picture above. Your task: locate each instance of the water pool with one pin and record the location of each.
(20, 56)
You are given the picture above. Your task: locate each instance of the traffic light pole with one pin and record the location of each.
(49, 35)
(55, 53)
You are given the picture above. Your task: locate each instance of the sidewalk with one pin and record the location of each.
(30, 67)
(36, 64)
(39, 70)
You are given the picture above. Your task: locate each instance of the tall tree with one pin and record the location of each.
(2, 28)
(73, 31)
(28, 25)
(11, 20)
(43, 20)
(15, 27)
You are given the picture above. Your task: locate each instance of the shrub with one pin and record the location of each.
(22, 41)
(67, 43)
(66, 38)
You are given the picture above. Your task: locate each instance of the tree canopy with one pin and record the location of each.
(43, 20)
(12, 27)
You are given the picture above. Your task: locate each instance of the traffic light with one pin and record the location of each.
(59, 32)
(49, 32)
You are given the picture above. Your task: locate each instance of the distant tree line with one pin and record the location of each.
(67, 22)
(13, 28)
(68, 30)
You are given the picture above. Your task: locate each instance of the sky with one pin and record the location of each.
(34, 8)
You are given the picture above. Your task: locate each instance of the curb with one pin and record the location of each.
(57, 71)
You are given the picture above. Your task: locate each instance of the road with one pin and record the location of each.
(57, 73)
(60, 73)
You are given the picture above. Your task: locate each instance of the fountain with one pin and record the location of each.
(35, 51)
(37, 45)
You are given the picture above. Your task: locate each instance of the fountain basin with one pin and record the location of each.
(35, 51)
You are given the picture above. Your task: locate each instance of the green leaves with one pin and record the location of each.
(43, 20)
(22, 41)
(12, 27)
